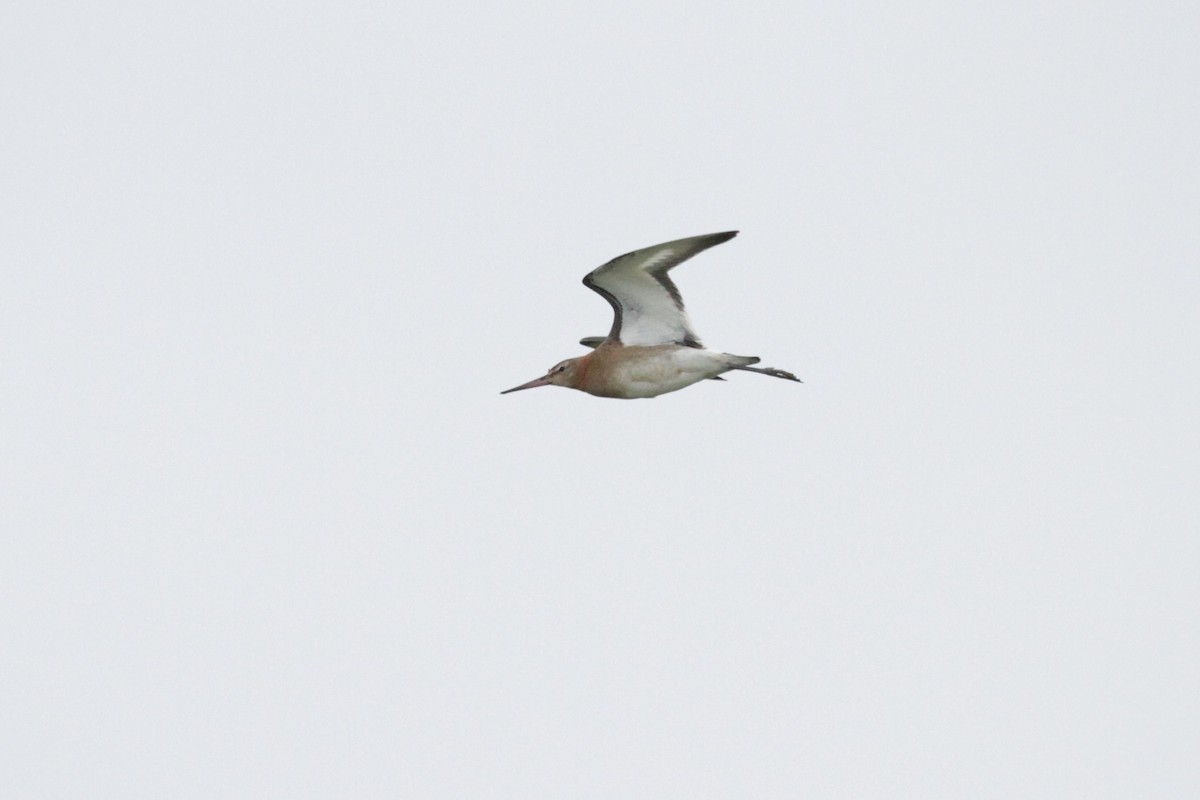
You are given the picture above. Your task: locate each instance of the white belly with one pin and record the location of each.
(658, 371)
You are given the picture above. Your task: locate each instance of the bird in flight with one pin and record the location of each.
(651, 348)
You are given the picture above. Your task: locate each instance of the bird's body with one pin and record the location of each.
(617, 370)
(651, 348)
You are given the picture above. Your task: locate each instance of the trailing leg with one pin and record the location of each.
(774, 373)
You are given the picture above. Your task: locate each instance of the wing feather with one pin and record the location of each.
(647, 306)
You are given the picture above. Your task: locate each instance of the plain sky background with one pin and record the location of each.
(269, 530)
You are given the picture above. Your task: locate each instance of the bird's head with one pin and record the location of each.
(561, 374)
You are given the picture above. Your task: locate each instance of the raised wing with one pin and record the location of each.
(647, 308)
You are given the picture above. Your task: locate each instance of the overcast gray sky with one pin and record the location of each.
(270, 531)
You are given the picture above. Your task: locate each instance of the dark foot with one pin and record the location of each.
(774, 373)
